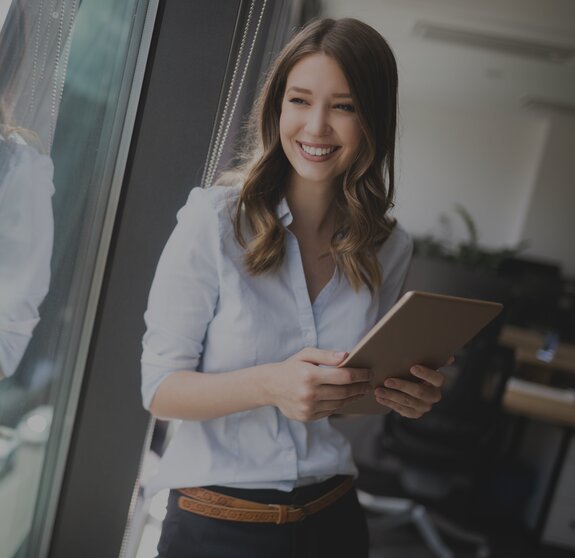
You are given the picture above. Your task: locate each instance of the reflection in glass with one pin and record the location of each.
(26, 234)
(26, 240)
(62, 72)
(26, 220)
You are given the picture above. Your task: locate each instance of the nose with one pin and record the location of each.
(317, 123)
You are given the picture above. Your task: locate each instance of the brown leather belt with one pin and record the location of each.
(212, 504)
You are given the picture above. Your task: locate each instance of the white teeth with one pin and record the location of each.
(317, 151)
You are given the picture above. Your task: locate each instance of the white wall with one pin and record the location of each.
(486, 161)
(550, 222)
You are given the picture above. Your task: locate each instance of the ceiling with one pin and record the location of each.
(452, 73)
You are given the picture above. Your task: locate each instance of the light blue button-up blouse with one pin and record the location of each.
(26, 238)
(206, 313)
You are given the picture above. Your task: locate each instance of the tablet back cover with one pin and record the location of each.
(421, 328)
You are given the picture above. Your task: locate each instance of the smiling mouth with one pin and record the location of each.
(319, 154)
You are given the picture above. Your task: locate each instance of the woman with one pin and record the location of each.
(260, 291)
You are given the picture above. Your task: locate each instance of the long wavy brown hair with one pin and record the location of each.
(366, 195)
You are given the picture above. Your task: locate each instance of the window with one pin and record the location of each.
(66, 72)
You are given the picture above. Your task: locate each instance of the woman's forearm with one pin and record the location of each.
(191, 395)
(298, 386)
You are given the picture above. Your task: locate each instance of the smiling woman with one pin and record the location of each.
(344, 58)
(255, 468)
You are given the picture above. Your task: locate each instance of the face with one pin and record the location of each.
(319, 128)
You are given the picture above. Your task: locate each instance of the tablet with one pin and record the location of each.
(421, 328)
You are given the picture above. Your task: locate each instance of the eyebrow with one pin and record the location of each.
(308, 92)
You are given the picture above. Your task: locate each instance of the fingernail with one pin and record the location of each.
(415, 369)
(341, 354)
(389, 383)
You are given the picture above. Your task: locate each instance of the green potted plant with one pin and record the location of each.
(468, 252)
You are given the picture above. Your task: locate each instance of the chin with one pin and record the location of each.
(315, 178)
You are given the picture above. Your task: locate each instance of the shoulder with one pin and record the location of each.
(215, 201)
(395, 259)
(210, 208)
(398, 244)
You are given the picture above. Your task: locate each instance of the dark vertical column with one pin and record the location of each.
(185, 72)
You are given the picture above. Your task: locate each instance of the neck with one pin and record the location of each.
(311, 206)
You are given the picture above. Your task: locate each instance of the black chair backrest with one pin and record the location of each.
(536, 291)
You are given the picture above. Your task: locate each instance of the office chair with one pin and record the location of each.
(443, 461)
(437, 465)
(536, 291)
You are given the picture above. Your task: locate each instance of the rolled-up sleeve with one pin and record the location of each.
(183, 295)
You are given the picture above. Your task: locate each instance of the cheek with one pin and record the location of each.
(355, 135)
(284, 133)
(282, 125)
(288, 123)
(353, 141)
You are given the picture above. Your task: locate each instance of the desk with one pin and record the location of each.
(552, 507)
(540, 402)
(531, 399)
(556, 521)
(526, 343)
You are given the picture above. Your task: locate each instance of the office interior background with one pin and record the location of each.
(120, 108)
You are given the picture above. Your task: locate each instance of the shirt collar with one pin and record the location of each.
(283, 212)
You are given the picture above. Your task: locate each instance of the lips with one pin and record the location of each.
(317, 153)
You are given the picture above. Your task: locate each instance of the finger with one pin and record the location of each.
(434, 377)
(330, 392)
(404, 399)
(450, 361)
(343, 376)
(321, 415)
(418, 391)
(314, 355)
(327, 408)
(403, 410)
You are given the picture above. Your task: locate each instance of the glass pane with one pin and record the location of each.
(65, 70)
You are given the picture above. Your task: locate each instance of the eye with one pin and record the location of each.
(345, 107)
(297, 101)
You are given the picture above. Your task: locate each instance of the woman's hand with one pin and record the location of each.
(410, 398)
(304, 391)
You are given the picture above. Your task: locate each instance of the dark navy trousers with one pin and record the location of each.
(339, 531)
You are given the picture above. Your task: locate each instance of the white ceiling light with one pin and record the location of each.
(542, 104)
(495, 42)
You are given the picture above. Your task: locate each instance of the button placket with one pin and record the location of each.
(305, 310)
